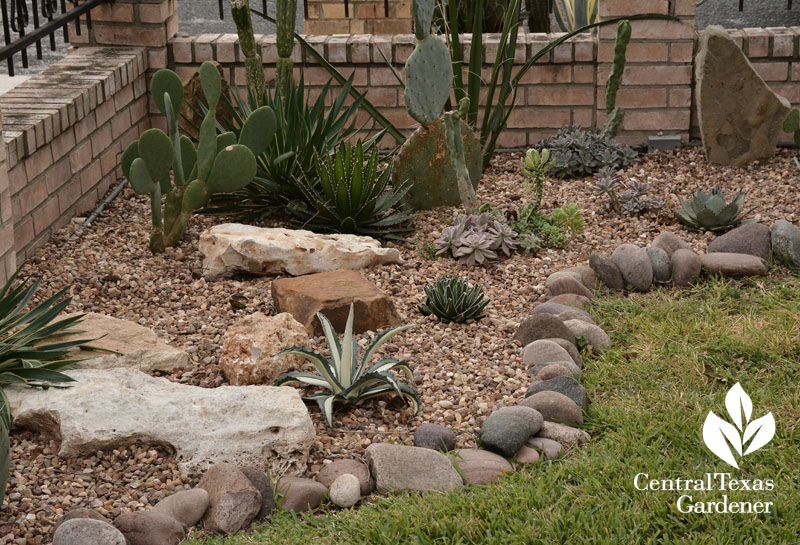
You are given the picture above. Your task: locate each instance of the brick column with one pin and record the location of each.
(363, 17)
(146, 23)
(656, 88)
(8, 260)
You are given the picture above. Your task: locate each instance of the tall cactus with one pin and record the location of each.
(158, 164)
(286, 12)
(615, 115)
(253, 67)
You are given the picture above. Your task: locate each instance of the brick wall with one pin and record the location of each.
(64, 131)
(362, 17)
(8, 260)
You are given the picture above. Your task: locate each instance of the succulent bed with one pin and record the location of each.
(463, 371)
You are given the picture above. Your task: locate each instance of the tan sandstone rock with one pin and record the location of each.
(232, 247)
(249, 347)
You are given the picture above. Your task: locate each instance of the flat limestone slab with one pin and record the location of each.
(231, 247)
(263, 426)
(740, 116)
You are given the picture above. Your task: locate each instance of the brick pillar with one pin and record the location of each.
(656, 88)
(8, 260)
(363, 17)
(145, 23)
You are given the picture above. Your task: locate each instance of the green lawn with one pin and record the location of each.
(675, 355)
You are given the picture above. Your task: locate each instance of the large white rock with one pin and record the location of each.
(262, 426)
(131, 345)
(232, 247)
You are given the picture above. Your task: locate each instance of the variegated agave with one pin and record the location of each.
(710, 211)
(347, 379)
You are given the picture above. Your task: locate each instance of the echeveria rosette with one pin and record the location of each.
(505, 237)
(476, 248)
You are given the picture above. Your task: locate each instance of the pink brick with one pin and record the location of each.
(120, 123)
(652, 30)
(34, 194)
(46, 216)
(182, 49)
(636, 52)
(757, 42)
(680, 97)
(382, 96)
(651, 75)
(681, 52)
(100, 139)
(547, 73)
(628, 98)
(583, 73)
(381, 44)
(782, 42)
(380, 76)
(90, 176)
(337, 48)
(536, 118)
(563, 53)
(157, 58)
(117, 12)
(57, 175)
(658, 120)
(81, 156)
(104, 112)
(204, 47)
(615, 8)
(772, 71)
(572, 95)
(38, 162)
(227, 48)
(68, 196)
(157, 12)
(584, 50)
(402, 47)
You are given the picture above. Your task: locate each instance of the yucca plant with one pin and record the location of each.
(25, 356)
(353, 197)
(711, 212)
(453, 300)
(573, 14)
(347, 379)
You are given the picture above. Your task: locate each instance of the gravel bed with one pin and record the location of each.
(463, 371)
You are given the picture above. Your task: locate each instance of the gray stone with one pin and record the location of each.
(555, 407)
(588, 276)
(185, 506)
(263, 426)
(543, 351)
(532, 416)
(567, 285)
(607, 271)
(300, 494)
(400, 467)
(750, 238)
(593, 334)
(669, 242)
(81, 513)
(575, 314)
(733, 264)
(686, 267)
(87, 531)
(563, 434)
(556, 309)
(562, 274)
(149, 528)
(481, 466)
(345, 491)
(571, 348)
(659, 260)
(569, 365)
(634, 265)
(553, 370)
(505, 433)
(233, 500)
(261, 482)
(549, 449)
(542, 326)
(571, 300)
(435, 437)
(527, 455)
(331, 471)
(567, 386)
(740, 116)
(786, 243)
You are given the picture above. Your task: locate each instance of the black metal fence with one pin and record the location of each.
(29, 22)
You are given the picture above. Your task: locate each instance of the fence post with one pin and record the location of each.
(143, 23)
(656, 89)
(8, 260)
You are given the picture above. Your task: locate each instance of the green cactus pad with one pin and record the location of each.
(131, 153)
(258, 130)
(425, 162)
(195, 195)
(155, 148)
(422, 11)
(234, 168)
(167, 81)
(188, 156)
(224, 140)
(140, 178)
(427, 83)
(212, 83)
(207, 147)
(792, 121)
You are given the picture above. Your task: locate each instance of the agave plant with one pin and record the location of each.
(347, 379)
(353, 197)
(711, 212)
(452, 300)
(26, 358)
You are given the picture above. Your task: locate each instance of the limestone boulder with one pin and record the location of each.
(332, 293)
(129, 345)
(232, 248)
(740, 116)
(249, 348)
(264, 426)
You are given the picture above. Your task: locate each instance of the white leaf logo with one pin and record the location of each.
(720, 435)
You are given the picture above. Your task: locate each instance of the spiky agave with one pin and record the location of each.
(347, 379)
(711, 212)
(453, 300)
(353, 197)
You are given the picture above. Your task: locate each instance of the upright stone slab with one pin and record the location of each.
(740, 117)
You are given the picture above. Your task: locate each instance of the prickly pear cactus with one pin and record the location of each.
(425, 160)
(428, 68)
(159, 164)
(792, 124)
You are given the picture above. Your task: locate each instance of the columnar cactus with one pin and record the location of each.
(286, 12)
(615, 114)
(159, 164)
